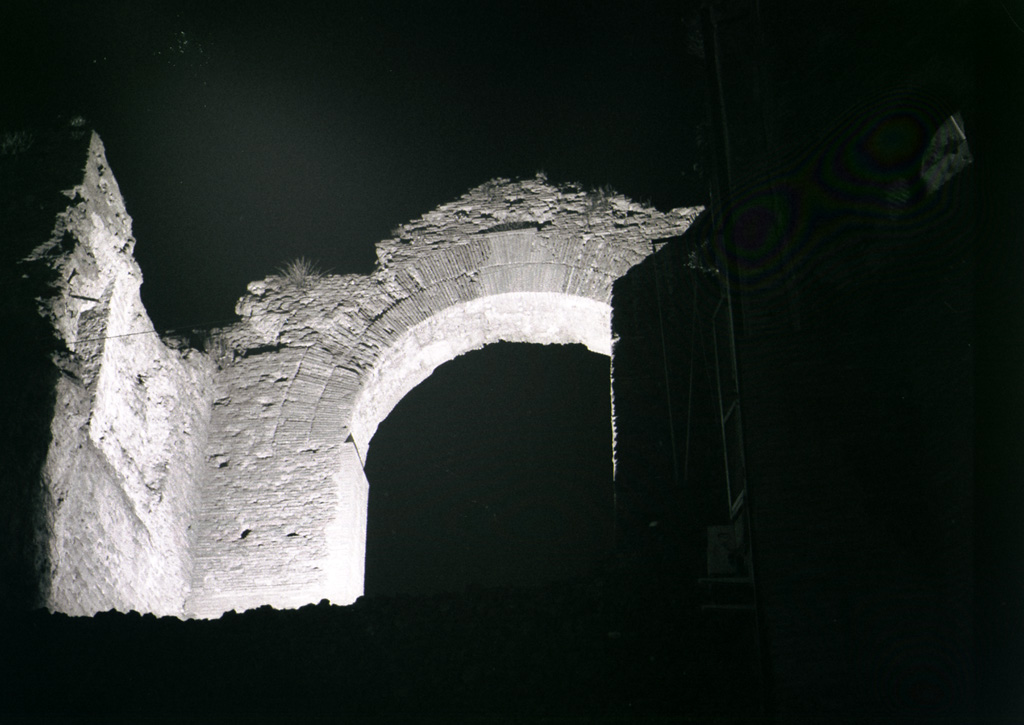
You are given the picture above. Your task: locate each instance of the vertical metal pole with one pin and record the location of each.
(722, 204)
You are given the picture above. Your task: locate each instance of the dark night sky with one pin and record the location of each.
(245, 134)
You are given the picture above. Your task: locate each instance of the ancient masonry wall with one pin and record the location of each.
(193, 483)
(315, 365)
(129, 423)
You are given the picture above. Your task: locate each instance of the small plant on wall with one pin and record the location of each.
(301, 272)
(600, 199)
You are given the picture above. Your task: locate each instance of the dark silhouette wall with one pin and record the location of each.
(851, 276)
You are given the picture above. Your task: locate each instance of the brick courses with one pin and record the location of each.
(192, 482)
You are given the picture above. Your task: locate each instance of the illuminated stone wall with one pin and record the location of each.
(315, 365)
(129, 422)
(193, 483)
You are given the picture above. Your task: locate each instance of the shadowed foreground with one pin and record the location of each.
(624, 643)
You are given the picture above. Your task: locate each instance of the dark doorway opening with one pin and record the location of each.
(494, 471)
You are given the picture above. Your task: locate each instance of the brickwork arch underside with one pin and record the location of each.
(529, 317)
(533, 317)
(444, 301)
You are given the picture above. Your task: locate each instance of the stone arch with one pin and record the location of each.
(318, 363)
(537, 317)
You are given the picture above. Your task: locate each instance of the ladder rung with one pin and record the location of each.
(732, 408)
(738, 503)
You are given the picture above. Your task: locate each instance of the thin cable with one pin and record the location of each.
(193, 328)
(1007, 11)
(707, 364)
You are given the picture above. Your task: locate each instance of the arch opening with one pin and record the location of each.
(494, 471)
(533, 317)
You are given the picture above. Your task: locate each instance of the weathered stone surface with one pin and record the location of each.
(189, 483)
(129, 422)
(314, 366)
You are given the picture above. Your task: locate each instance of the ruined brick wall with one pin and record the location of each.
(192, 483)
(129, 420)
(315, 365)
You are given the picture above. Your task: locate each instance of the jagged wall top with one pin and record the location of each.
(503, 205)
(97, 230)
(575, 222)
